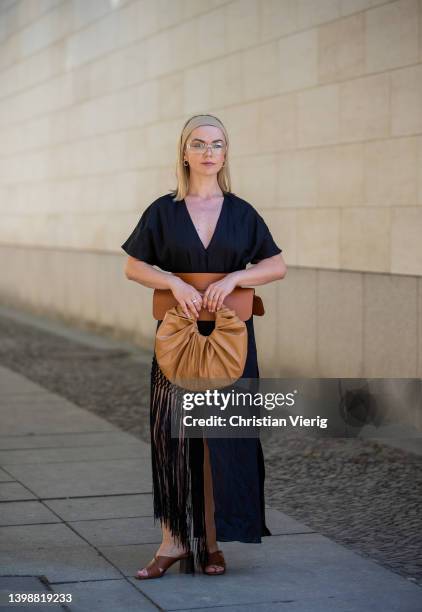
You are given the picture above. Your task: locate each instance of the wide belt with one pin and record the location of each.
(242, 299)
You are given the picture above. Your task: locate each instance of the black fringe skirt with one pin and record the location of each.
(237, 467)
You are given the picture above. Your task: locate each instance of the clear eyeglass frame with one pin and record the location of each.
(201, 147)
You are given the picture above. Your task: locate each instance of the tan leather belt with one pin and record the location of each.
(242, 299)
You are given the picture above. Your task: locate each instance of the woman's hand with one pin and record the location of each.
(184, 294)
(217, 292)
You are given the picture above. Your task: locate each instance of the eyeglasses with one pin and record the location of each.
(200, 147)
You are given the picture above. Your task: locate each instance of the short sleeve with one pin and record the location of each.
(262, 242)
(141, 243)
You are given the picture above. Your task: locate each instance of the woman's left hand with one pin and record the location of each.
(216, 292)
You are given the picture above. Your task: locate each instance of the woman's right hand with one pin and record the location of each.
(184, 294)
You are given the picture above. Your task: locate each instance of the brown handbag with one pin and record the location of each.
(242, 299)
(197, 362)
(194, 361)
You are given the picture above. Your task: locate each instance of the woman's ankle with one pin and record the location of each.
(212, 547)
(171, 549)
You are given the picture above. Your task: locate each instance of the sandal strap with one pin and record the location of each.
(216, 558)
(153, 568)
(160, 563)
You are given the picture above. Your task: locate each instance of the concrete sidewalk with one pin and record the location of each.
(76, 519)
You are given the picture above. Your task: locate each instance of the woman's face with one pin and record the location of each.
(198, 158)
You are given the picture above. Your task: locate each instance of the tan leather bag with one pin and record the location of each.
(194, 361)
(197, 362)
(242, 299)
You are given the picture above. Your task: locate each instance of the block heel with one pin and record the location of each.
(186, 565)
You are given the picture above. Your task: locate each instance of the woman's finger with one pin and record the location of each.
(198, 302)
(206, 298)
(185, 309)
(214, 301)
(221, 300)
(210, 300)
(192, 308)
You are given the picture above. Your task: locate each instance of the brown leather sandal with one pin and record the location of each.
(159, 564)
(216, 558)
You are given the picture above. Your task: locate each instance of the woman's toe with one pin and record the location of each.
(143, 572)
(215, 569)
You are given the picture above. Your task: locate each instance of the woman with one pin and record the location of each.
(218, 484)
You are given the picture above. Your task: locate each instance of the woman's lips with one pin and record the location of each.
(208, 163)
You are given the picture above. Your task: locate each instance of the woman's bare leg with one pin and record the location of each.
(169, 545)
(209, 508)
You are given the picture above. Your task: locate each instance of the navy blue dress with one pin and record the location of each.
(165, 236)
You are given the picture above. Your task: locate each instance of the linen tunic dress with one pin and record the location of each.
(165, 236)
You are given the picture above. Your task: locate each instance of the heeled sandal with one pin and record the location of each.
(216, 558)
(158, 566)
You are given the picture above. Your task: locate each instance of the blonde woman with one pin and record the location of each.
(214, 488)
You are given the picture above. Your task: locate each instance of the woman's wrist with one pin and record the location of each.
(173, 281)
(237, 277)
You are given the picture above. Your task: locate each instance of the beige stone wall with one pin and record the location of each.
(323, 102)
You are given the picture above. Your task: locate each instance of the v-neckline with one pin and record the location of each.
(216, 225)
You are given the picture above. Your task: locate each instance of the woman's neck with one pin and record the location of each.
(204, 190)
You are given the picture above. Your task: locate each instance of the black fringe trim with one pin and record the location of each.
(177, 469)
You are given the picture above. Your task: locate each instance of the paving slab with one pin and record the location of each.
(14, 491)
(16, 384)
(74, 563)
(105, 595)
(48, 417)
(67, 440)
(109, 532)
(85, 453)
(85, 477)
(279, 523)
(26, 512)
(4, 476)
(40, 396)
(102, 507)
(47, 535)
(23, 585)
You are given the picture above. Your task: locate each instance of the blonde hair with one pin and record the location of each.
(182, 171)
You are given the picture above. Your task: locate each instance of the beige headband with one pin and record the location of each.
(198, 120)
